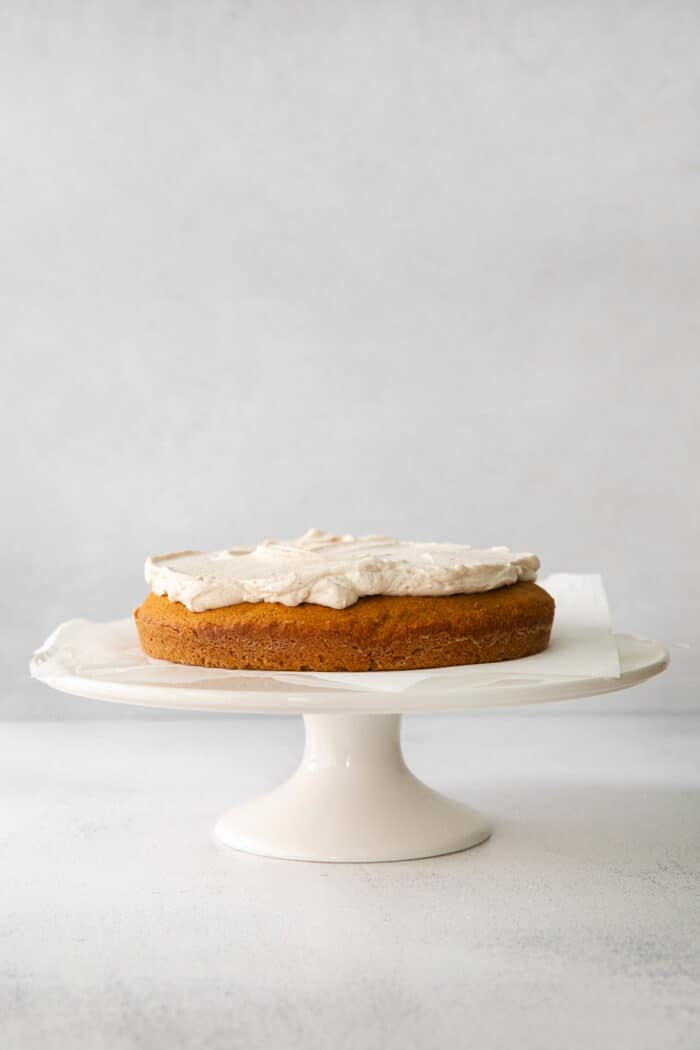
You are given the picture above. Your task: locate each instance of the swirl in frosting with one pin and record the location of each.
(332, 570)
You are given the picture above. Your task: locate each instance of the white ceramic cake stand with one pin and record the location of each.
(352, 797)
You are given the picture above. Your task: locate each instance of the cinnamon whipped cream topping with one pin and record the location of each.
(332, 570)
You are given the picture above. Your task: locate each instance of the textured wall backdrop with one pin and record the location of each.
(423, 269)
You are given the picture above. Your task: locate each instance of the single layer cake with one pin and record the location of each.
(331, 603)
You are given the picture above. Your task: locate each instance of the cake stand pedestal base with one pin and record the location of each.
(352, 799)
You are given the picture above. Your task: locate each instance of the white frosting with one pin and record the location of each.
(332, 570)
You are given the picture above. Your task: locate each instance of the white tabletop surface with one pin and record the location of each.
(122, 925)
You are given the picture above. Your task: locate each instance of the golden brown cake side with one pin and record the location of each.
(375, 634)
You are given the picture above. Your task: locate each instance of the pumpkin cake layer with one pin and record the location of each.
(379, 633)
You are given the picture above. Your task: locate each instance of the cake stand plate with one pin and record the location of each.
(352, 798)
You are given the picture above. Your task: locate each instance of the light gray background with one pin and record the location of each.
(430, 270)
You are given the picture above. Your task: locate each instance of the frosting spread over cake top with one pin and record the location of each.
(332, 570)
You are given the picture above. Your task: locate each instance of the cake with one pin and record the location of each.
(344, 603)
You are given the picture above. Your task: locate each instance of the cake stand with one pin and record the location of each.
(352, 797)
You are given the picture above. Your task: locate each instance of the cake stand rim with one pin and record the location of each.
(471, 696)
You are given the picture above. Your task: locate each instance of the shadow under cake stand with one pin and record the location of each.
(352, 797)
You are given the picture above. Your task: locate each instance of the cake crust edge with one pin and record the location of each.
(379, 633)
